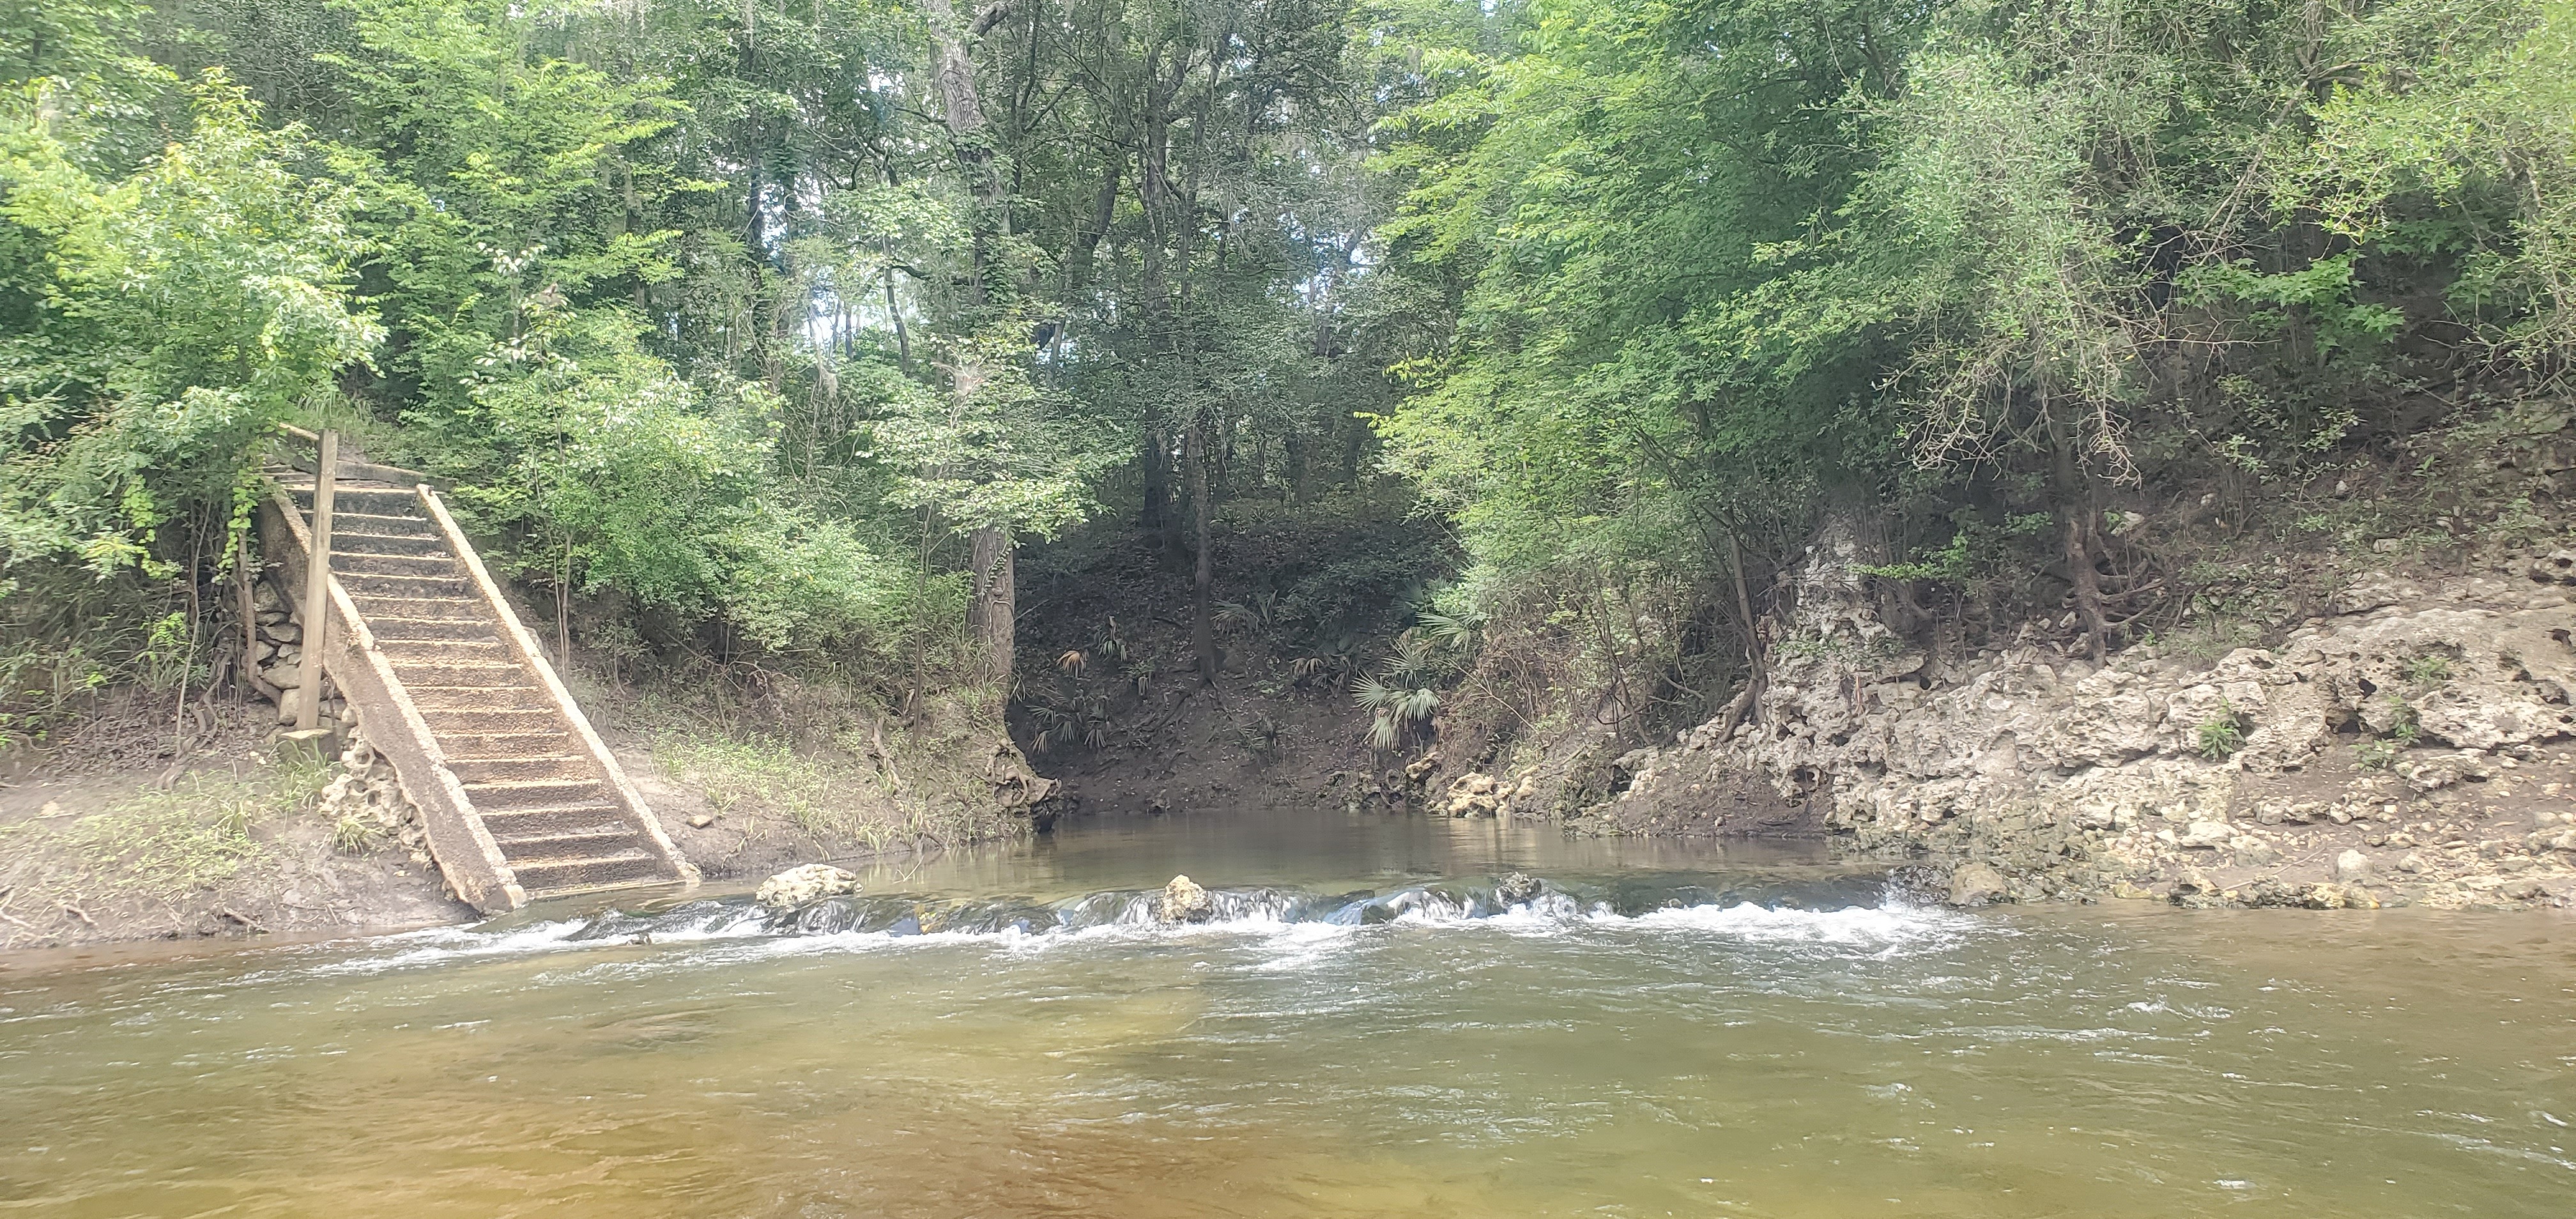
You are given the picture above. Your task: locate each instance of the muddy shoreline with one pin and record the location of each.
(105, 840)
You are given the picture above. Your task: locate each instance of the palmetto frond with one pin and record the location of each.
(1382, 732)
(1257, 615)
(1452, 631)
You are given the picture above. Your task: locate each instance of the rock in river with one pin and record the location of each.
(1517, 889)
(1183, 901)
(1976, 884)
(804, 884)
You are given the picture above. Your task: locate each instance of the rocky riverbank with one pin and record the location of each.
(2412, 747)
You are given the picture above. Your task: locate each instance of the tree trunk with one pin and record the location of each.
(894, 309)
(2076, 516)
(1202, 589)
(1753, 674)
(1296, 443)
(563, 610)
(1161, 515)
(249, 608)
(2078, 535)
(1153, 193)
(1087, 240)
(962, 110)
(990, 614)
(1154, 186)
(1156, 463)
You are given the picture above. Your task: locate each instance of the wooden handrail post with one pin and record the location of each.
(317, 585)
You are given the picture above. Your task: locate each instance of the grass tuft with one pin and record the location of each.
(352, 834)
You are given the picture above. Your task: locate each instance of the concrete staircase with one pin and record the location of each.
(520, 797)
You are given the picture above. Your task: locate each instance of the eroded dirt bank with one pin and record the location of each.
(2407, 742)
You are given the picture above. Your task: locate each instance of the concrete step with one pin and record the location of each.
(464, 608)
(540, 820)
(346, 562)
(447, 722)
(375, 605)
(404, 588)
(542, 742)
(438, 673)
(346, 540)
(525, 793)
(366, 496)
(557, 875)
(589, 843)
(478, 696)
(499, 768)
(408, 629)
(432, 671)
(451, 652)
(371, 521)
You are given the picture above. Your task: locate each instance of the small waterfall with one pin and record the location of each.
(1522, 899)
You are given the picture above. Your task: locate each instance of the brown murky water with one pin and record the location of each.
(1668, 1032)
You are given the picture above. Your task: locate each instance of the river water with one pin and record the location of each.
(1665, 1031)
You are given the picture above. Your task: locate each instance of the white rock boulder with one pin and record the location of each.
(1184, 901)
(806, 884)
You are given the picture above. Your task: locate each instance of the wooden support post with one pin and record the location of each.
(243, 581)
(317, 585)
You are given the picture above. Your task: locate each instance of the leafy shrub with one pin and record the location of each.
(2220, 737)
(2429, 670)
(182, 310)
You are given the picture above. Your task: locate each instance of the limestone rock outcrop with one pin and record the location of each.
(2080, 780)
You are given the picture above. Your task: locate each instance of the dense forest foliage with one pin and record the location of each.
(776, 329)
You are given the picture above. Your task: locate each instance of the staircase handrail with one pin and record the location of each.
(365, 470)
